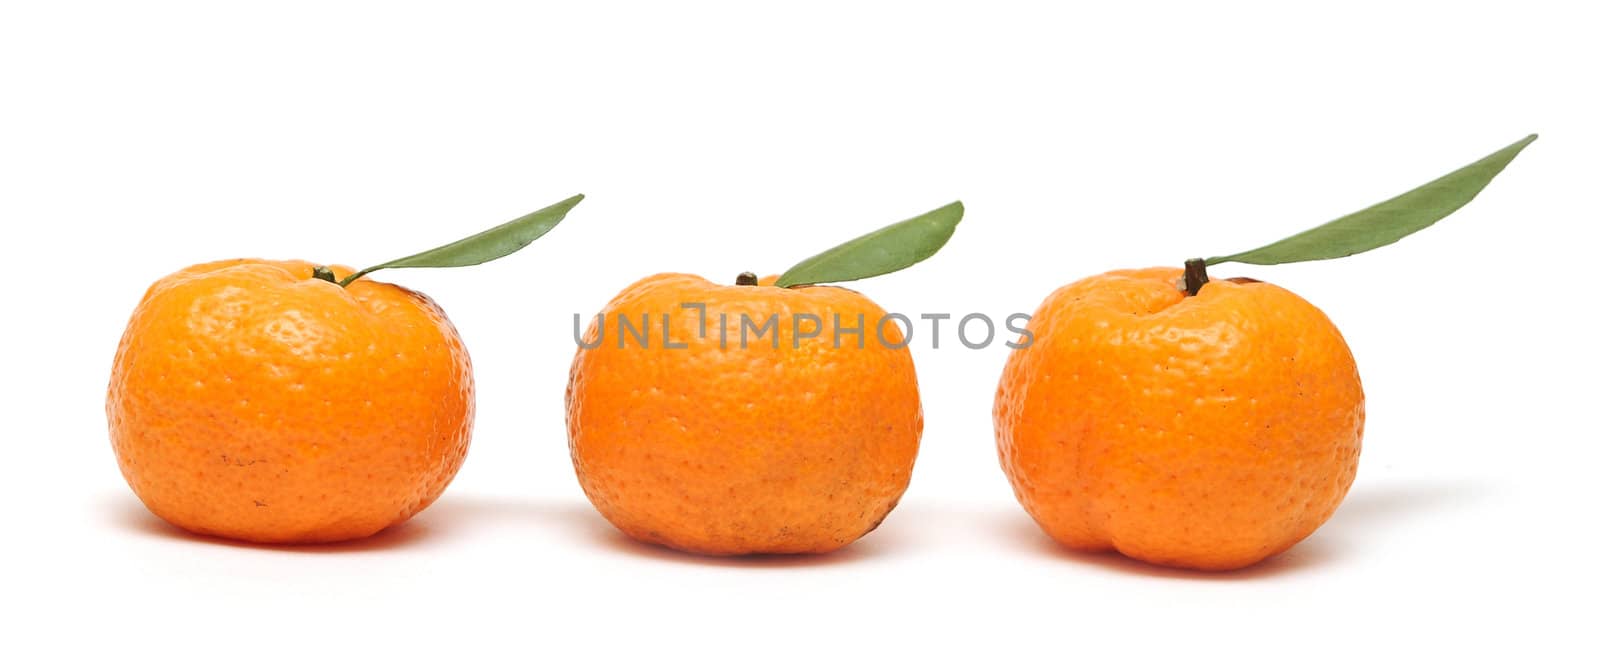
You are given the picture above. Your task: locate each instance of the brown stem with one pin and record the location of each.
(746, 278)
(1194, 275)
(323, 273)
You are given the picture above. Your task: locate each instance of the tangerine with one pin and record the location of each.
(1207, 432)
(252, 401)
(738, 444)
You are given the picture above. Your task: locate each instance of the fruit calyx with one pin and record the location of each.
(1194, 276)
(323, 273)
(747, 278)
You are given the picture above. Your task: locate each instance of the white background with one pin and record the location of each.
(136, 138)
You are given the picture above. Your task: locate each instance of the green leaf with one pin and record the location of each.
(497, 242)
(892, 248)
(1387, 222)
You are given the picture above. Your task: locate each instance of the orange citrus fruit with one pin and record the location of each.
(1207, 432)
(740, 443)
(251, 401)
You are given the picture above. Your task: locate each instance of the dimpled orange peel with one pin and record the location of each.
(772, 417)
(1198, 423)
(287, 402)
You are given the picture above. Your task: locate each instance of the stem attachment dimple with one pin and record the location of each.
(1194, 275)
(747, 278)
(323, 273)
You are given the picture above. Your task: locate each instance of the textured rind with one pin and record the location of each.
(1207, 432)
(251, 401)
(739, 451)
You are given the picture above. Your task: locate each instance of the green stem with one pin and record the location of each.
(352, 278)
(323, 273)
